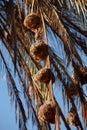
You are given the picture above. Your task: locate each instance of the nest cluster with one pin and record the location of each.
(39, 52)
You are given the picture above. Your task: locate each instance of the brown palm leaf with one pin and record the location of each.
(84, 112)
(73, 90)
(72, 117)
(82, 73)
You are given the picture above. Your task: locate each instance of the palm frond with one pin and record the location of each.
(67, 21)
(22, 118)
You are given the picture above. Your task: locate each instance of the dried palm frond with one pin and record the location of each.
(74, 78)
(17, 99)
(84, 112)
(47, 112)
(72, 117)
(57, 25)
(83, 74)
(32, 21)
(44, 75)
(73, 90)
(39, 51)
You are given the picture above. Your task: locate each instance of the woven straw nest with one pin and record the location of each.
(44, 75)
(32, 21)
(39, 51)
(46, 112)
(72, 117)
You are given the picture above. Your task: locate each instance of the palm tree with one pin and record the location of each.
(30, 31)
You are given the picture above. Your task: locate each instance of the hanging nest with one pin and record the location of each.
(83, 75)
(72, 117)
(46, 112)
(39, 51)
(32, 21)
(44, 75)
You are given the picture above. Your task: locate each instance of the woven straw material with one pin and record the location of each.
(46, 112)
(44, 75)
(39, 51)
(32, 21)
(72, 117)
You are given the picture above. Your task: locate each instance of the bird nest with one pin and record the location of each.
(32, 21)
(46, 112)
(39, 51)
(72, 117)
(44, 75)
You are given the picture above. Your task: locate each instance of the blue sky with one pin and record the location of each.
(7, 113)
